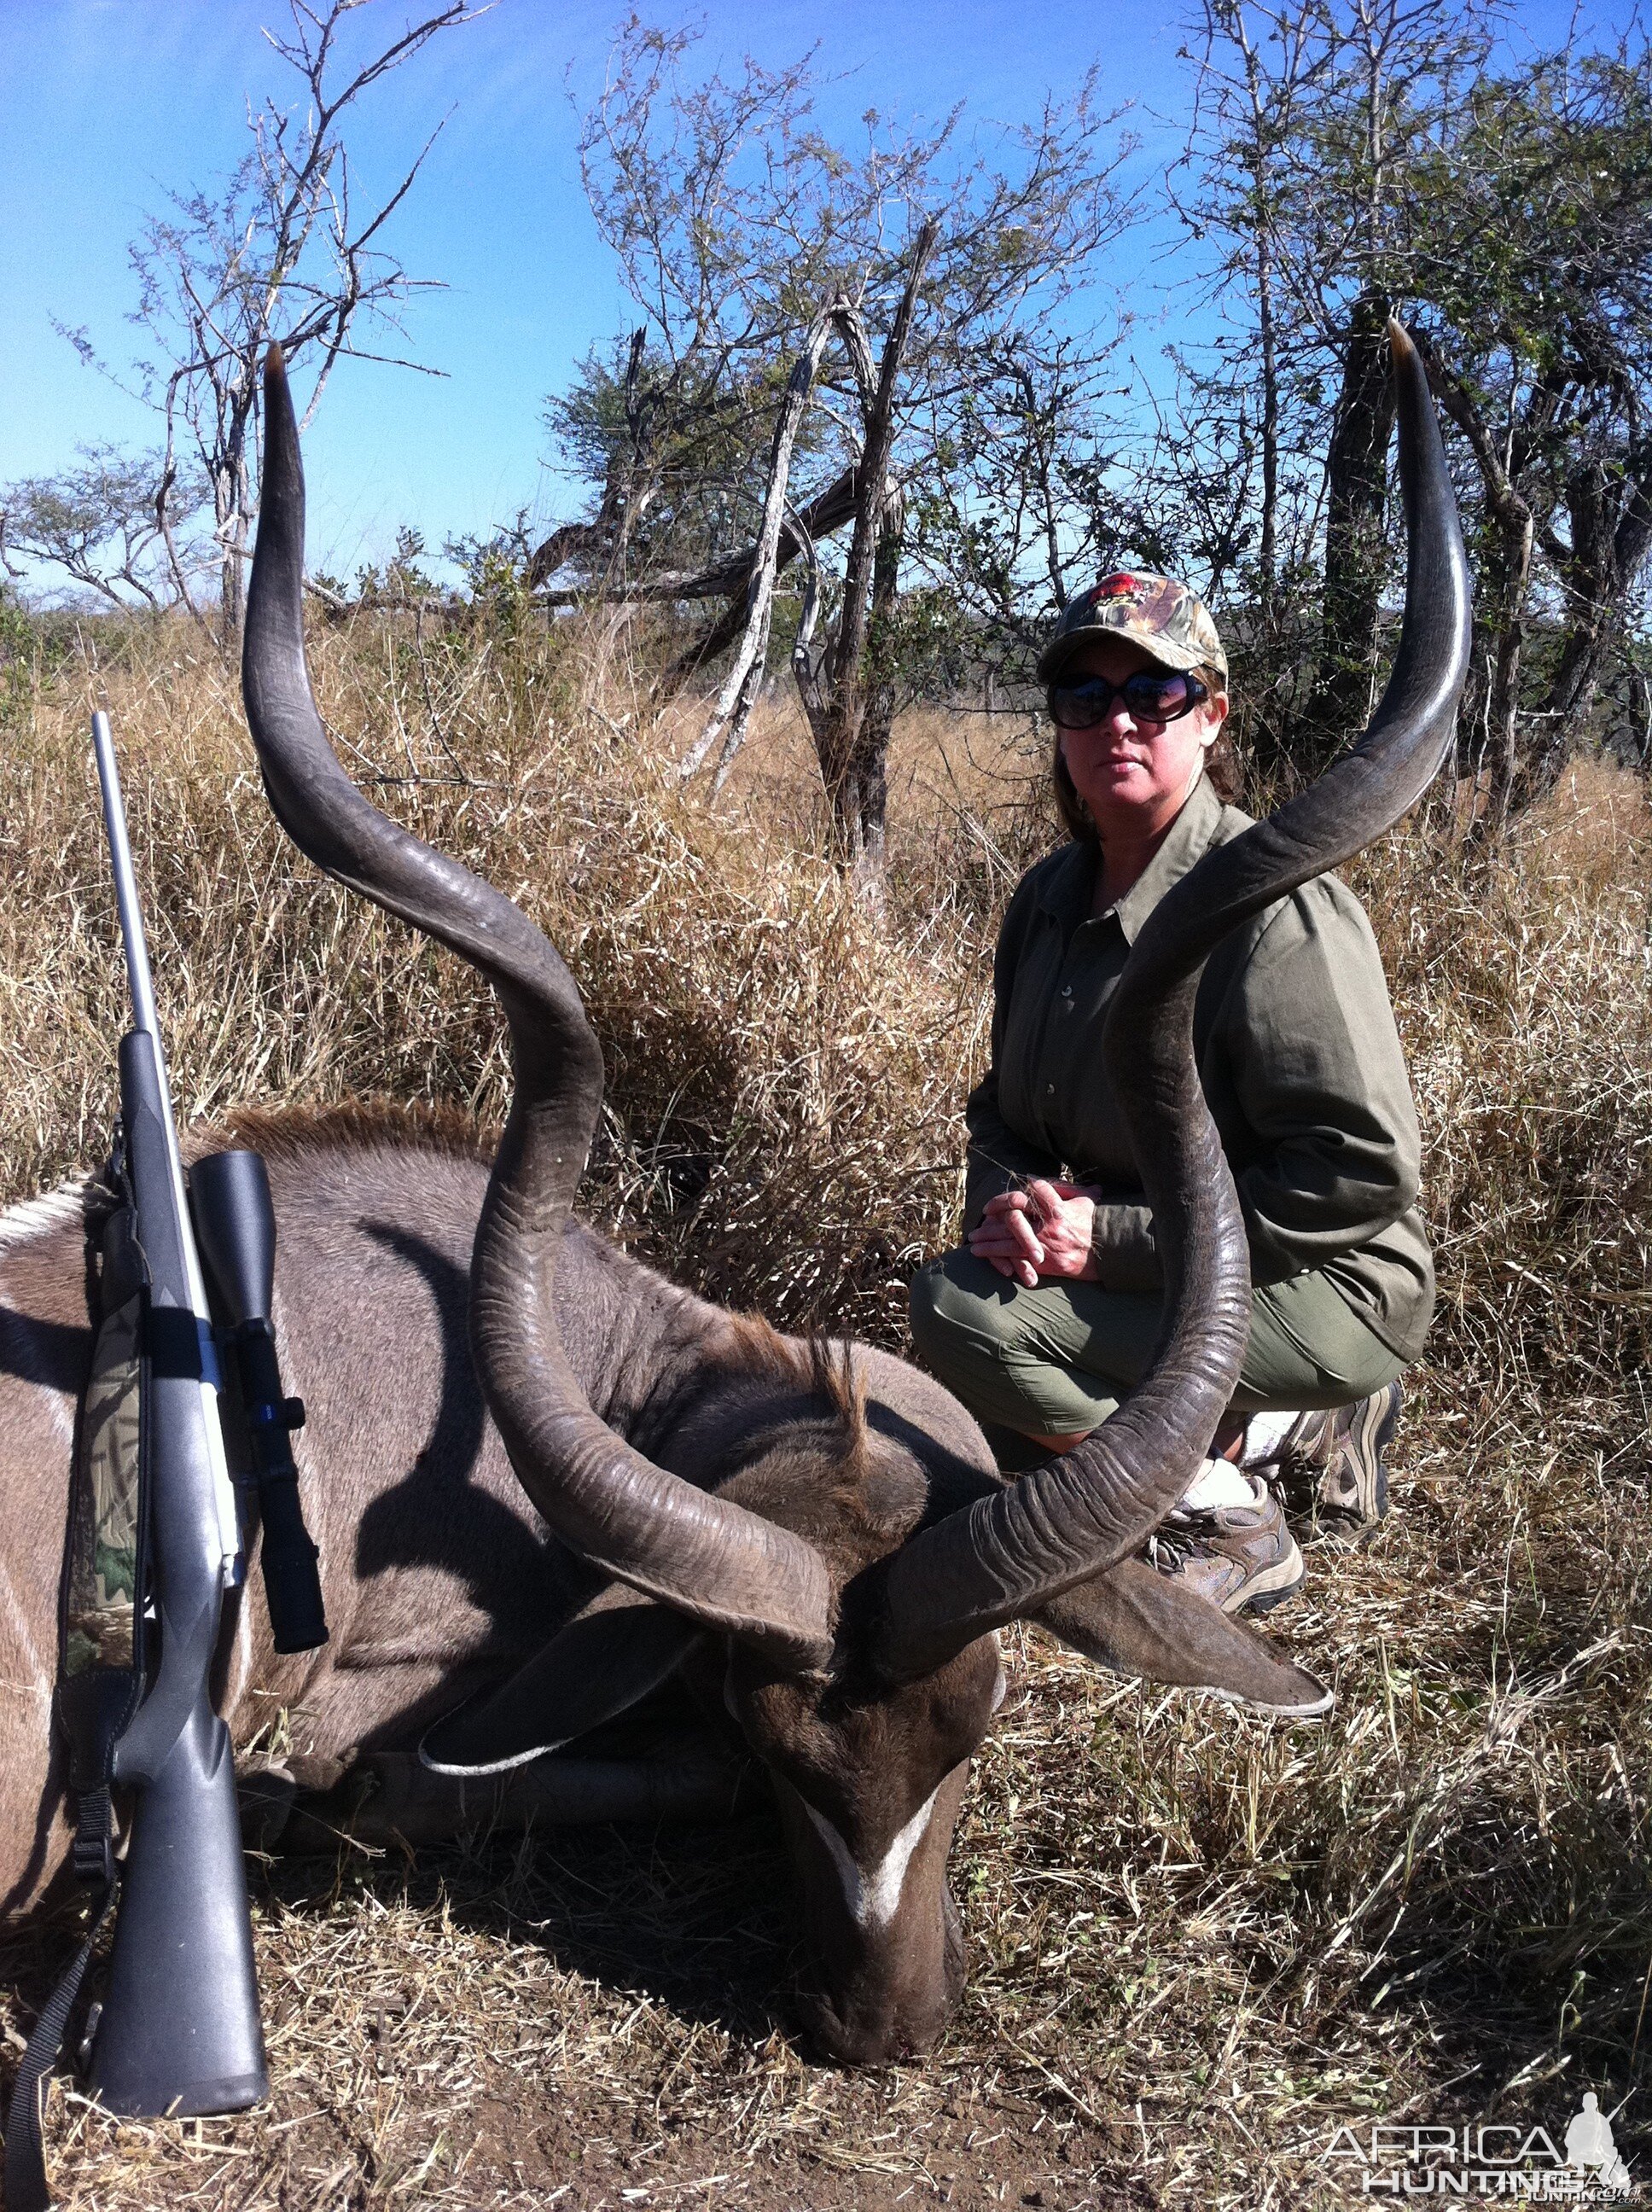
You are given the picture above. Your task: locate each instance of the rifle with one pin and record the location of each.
(179, 2030)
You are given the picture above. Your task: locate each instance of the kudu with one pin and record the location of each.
(622, 1484)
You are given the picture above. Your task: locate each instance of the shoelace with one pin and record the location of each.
(1188, 1533)
(1168, 1548)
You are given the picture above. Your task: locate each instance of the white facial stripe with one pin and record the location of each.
(26, 1224)
(1000, 1689)
(872, 1899)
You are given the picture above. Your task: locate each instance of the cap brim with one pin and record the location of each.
(1168, 654)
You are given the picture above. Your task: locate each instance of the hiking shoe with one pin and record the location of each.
(1353, 1491)
(1242, 1557)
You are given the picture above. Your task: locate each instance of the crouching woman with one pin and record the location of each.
(1047, 1312)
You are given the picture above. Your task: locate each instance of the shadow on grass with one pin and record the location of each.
(700, 1917)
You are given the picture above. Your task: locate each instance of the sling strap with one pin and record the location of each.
(101, 1632)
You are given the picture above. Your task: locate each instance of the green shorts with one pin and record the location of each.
(1055, 1360)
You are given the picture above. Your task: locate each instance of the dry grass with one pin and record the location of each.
(1199, 1943)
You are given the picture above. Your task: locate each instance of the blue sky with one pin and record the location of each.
(105, 104)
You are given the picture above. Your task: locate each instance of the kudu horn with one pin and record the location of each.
(706, 1556)
(1001, 1559)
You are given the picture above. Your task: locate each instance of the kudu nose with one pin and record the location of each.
(876, 2035)
(877, 2018)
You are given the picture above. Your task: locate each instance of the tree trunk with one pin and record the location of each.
(1356, 549)
(851, 733)
(1610, 541)
(857, 780)
(233, 499)
(1505, 793)
(823, 515)
(1639, 714)
(733, 711)
(232, 592)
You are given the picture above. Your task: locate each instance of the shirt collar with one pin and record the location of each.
(1189, 837)
(1065, 890)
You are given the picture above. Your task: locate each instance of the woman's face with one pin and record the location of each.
(1134, 777)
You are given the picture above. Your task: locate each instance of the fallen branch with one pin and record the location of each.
(739, 691)
(728, 578)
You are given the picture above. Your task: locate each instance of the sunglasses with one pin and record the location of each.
(1150, 694)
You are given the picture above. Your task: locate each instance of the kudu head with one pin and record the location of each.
(848, 1572)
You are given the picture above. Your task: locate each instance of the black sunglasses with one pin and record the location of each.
(1150, 694)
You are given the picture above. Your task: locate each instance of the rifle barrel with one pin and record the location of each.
(144, 1022)
(131, 914)
(140, 980)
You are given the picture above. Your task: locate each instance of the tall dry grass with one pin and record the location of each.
(1200, 1944)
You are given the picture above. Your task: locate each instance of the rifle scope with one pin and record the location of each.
(235, 1230)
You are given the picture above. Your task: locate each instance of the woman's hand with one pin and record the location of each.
(1041, 1233)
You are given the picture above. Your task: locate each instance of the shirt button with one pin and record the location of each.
(1049, 1090)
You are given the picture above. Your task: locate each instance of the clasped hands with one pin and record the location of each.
(1042, 1232)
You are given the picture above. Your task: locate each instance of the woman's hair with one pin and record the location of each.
(1221, 768)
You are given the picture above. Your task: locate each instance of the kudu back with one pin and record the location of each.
(546, 1482)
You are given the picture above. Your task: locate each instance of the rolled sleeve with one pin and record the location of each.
(1319, 1081)
(998, 1160)
(1125, 1248)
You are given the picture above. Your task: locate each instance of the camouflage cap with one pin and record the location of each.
(1155, 613)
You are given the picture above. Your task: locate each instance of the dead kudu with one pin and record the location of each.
(546, 1482)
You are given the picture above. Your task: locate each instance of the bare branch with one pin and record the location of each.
(739, 690)
(277, 250)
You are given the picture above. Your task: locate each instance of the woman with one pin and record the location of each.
(1049, 1309)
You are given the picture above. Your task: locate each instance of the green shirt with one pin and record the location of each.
(1299, 1057)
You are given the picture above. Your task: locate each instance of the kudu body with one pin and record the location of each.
(620, 1486)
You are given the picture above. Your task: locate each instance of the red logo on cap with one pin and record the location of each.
(1114, 587)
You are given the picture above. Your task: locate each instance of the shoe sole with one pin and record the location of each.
(1269, 1586)
(1361, 1456)
(1366, 1446)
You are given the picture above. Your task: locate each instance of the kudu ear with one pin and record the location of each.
(606, 1659)
(1136, 1621)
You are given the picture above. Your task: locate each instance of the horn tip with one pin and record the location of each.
(1399, 341)
(275, 363)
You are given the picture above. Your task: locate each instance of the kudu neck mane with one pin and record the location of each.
(761, 1384)
(393, 1125)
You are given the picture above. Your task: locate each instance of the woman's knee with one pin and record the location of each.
(986, 1340)
(954, 1310)
(1309, 1349)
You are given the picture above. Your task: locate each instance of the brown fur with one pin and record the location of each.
(295, 1132)
(824, 1366)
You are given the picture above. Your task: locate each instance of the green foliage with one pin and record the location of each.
(495, 569)
(95, 523)
(32, 650)
(678, 448)
(400, 579)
